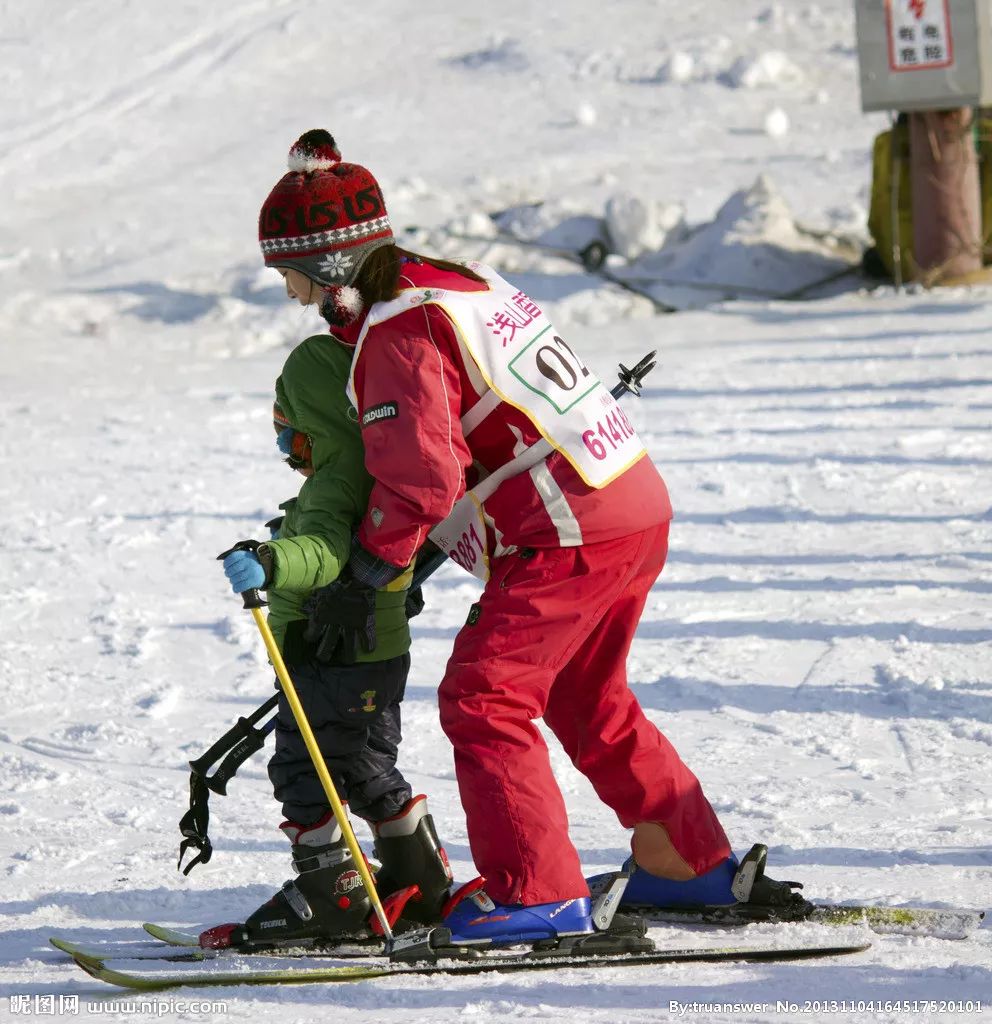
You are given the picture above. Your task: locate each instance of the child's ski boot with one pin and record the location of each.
(325, 905)
(415, 878)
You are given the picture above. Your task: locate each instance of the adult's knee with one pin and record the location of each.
(462, 700)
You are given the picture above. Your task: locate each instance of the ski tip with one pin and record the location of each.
(99, 970)
(87, 961)
(171, 935)
(950, 923)
(91, 967)
(75, 949)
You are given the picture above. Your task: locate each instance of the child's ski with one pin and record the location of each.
(269, 969)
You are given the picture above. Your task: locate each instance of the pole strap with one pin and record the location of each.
(235, 747)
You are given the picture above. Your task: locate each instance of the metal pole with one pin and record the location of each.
(254, 602)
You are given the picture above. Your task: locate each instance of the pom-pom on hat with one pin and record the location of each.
(324, 217)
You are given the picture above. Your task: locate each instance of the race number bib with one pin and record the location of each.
(462, 536)
(531, 367)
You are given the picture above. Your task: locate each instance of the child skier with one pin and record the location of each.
(461, 382)
(350, 678)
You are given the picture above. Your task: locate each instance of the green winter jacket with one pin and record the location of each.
(315, 536)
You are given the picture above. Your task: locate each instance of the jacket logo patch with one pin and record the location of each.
(382, 411)
(369, 706)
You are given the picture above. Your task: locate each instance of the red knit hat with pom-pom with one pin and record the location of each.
(324, 217)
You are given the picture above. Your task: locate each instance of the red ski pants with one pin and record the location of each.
(551, 639)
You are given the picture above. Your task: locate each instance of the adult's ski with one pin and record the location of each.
(952, 923)
(269, 969)
(781, 906)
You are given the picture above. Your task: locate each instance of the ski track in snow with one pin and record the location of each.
(818, 648)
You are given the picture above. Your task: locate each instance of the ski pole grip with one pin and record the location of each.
(252, 599)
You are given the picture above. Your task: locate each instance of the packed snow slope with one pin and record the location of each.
(819, 646)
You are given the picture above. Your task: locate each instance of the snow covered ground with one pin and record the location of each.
(819, 647)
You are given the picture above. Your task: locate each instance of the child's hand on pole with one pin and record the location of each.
(244, 571)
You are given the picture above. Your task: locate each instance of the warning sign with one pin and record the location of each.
(919, 34)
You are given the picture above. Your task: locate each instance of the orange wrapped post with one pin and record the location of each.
(947, 215)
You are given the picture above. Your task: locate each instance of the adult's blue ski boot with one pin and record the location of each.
(474, 923)
(733, 891)
(473, 918)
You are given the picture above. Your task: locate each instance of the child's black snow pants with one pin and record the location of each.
(354, 712)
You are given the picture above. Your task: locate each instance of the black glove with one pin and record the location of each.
(341, 621)
(414, 602)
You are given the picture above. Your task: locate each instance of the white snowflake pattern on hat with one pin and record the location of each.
(337, 264)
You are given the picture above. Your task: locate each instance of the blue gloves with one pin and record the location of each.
(244, 570)
(284, 440)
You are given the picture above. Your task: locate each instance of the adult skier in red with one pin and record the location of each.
(486, 433)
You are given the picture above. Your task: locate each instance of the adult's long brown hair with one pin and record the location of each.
(379, 278)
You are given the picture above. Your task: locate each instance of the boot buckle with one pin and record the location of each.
(325, 859)
(297, 901)
(752, 867)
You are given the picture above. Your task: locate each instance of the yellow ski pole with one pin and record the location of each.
(253, 601)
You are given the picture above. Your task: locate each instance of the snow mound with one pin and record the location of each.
(637, 226)
(680, 67)
(533, 222)
(753, 246)
(769, 69)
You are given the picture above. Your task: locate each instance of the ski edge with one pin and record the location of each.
(99, 969)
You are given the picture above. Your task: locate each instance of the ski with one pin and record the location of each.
(954, 923)
(184, 947)
(137, 950)
(262, 969)
(171, 936)
(176, 946)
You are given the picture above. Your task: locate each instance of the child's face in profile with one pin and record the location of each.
(300, 287)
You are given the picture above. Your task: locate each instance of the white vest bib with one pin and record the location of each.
(525, 362)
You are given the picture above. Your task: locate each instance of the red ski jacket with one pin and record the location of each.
(415, 381)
